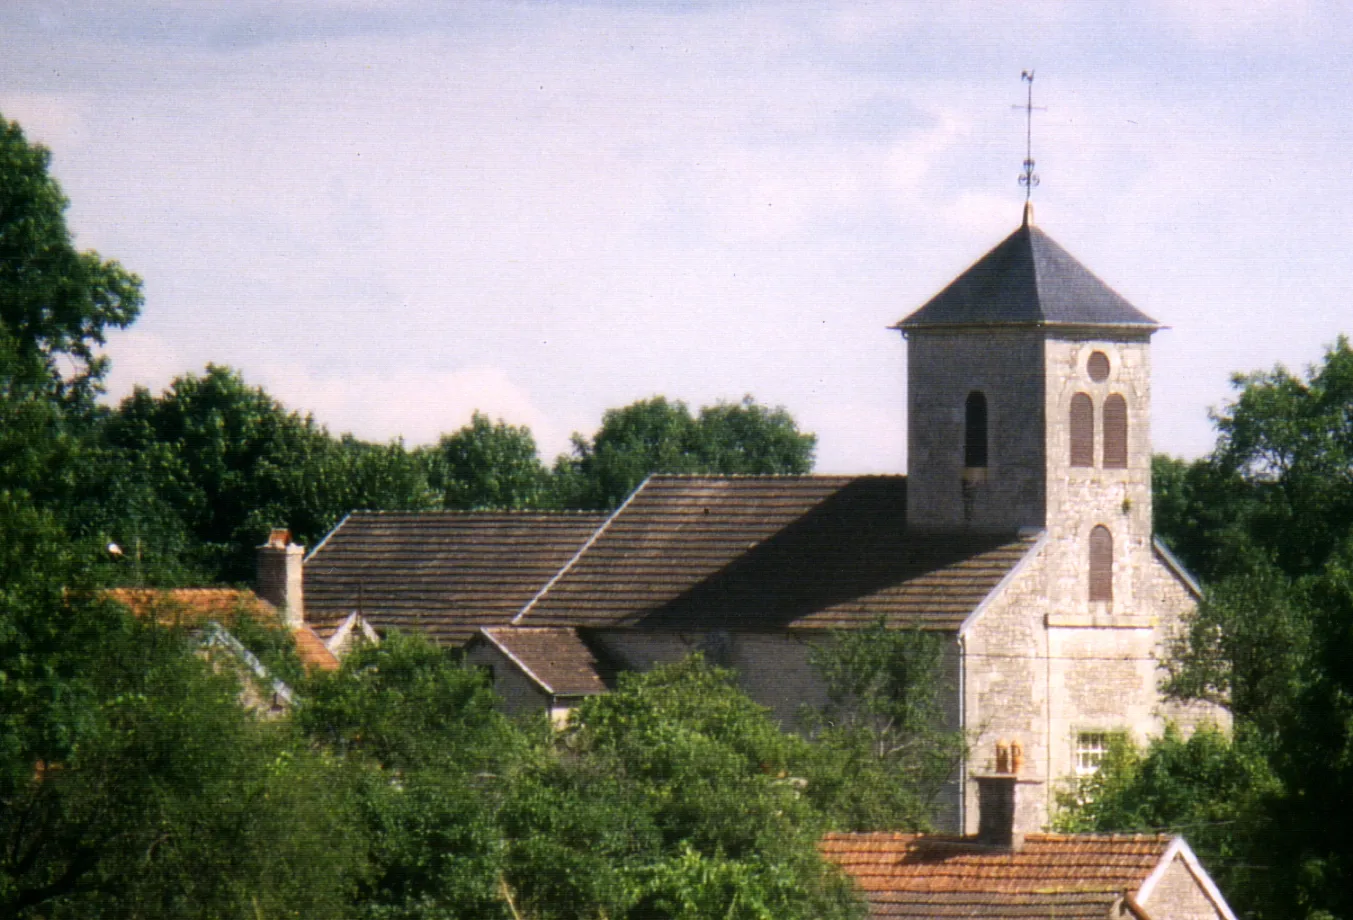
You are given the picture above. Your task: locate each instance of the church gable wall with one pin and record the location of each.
(1049, 679)
(1005, 683)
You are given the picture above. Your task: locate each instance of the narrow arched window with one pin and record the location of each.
(975, 431)
(1082, 431)
(1101, 564)
(1115, 432)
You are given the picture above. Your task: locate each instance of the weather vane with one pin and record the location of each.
(1029, 178)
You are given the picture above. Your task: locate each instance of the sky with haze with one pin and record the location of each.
(390, 214)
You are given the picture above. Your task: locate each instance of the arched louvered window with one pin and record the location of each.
(1101, 564)
(1082, 431)
(1115, 432)
(975, 430)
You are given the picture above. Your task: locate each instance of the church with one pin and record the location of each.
(1021, 533)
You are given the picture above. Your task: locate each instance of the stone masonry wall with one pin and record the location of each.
(1178, 896)
(519, 693)
(942, 369)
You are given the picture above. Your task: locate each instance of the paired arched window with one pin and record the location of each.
(1115, 432)
(975, 430)
(1082, 430)
(1101, 564)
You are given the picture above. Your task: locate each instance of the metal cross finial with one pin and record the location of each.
(1029, 179)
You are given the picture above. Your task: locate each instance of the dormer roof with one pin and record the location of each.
(1028, 280)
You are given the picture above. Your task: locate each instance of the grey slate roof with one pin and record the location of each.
(1028, 279)
(773, 552)
(556, 658)
(443, 573)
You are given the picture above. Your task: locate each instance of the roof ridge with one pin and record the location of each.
(776, 476)
(550, 512)
(587, 544)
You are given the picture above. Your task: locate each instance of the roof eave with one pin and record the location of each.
(1138, 329)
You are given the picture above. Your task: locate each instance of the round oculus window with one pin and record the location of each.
(1098, 367)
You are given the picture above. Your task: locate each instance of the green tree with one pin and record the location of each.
(132, 782)
(56, 303)
(1268, 518)
(232, 462)
(1247, 647)
(431, 754)
(884, 749)
(1312, 852)
(1279, 486)
(658, 436)
(702, 795)
(487, 464)
(1212, 789)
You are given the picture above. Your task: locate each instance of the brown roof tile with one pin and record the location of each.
(197, 606)
(314, 654)
(900, 864)
(193, 606)
(556, 658)
(1071, 905)
(443, 573)
(769, 551)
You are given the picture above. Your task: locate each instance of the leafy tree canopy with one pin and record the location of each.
(487, 464)
(1210, 788)
(230, 462)
(661, 436)
(884, 750)
(56, 303)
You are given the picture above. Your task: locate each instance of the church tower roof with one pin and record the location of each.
(1028, 280)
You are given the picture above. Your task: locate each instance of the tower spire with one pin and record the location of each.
(1028, 178)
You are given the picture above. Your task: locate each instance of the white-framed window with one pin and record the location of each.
(1090, 750)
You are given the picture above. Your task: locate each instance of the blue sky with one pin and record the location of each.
(392, 213)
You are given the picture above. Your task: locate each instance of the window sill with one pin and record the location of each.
(1099, 621)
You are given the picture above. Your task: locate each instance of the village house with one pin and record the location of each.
(1021, 533)
(999, 874)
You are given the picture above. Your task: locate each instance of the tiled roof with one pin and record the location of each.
(771, 551)
(1072, 905)
(192, 606)
(556, 658)
(443, 573)
(909, 870)
(314, 654)
(1028, 280)
(197, 606)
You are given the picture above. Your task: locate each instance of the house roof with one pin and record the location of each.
(773, 552)
(557, 659)
(194, 607)
(443, 573)
(312, 651)
(1052, 875)
(1028, 279)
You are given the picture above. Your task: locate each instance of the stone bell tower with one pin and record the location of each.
(1029, 405)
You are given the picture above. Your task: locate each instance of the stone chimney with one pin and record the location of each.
(280, 576)
(1000, 823)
